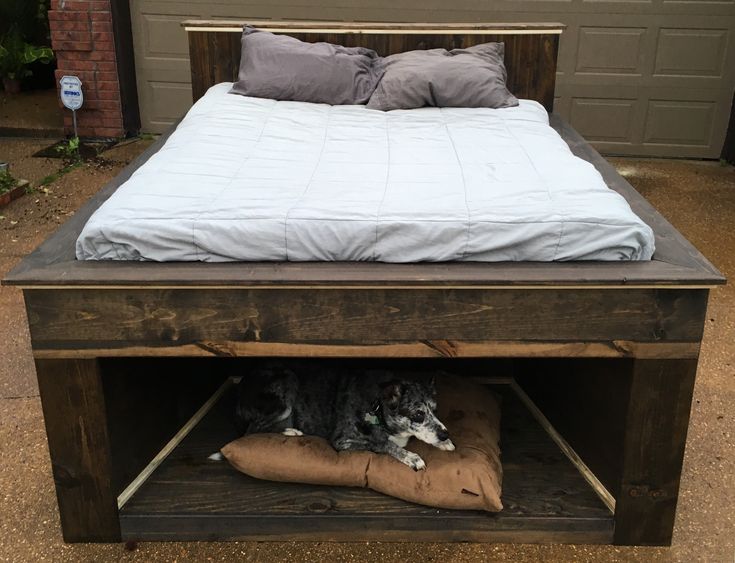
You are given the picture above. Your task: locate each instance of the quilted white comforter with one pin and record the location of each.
(255, 179)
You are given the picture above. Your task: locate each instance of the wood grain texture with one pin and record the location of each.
(656, 425)
(74, 412)
(424, 349)
(78, 319)
(530, 59)
(191, 498)
(54, 263)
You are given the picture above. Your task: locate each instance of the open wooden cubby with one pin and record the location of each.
(549, 494)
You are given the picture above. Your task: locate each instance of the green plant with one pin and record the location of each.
(7, 182)
(16, 54)
(51, 178)
(69, 150)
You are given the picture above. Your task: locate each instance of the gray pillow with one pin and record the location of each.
(280, 67)
(472, 77)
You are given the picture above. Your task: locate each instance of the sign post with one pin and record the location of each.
(72, 96)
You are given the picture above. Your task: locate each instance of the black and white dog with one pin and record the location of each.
(369, 410)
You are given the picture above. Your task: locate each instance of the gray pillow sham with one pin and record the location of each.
(472, 77)
(280, 67)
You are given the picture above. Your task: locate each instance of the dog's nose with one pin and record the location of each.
(442, 434)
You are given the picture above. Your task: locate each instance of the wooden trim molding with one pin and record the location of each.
(375, 27)
(419, 349)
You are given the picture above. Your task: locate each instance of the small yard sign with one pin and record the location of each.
(72, 96)
(71, 92)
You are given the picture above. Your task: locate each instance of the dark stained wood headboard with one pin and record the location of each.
(530, 48)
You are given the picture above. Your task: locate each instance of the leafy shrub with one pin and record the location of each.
(7, 182)
(16, 54)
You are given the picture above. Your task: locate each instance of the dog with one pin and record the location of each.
(369, 410)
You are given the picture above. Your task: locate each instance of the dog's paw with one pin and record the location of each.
(292, 432)
(414, 461)
(446, 445)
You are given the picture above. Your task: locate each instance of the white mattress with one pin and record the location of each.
(255, 179)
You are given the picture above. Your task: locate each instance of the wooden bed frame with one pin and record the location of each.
(607, 351)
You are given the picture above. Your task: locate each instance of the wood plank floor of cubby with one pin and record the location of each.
(191, 498)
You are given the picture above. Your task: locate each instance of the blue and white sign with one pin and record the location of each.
(71, 92)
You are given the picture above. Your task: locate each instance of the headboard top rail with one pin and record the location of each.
(302, 26)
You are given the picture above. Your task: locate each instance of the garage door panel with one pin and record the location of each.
(645, 77)
(170, 101)
(679, 122)
(691, 52)
(611, 50)
(164, 37)
(605, 120)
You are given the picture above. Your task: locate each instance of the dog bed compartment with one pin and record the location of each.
(183, 495)
(469, 477)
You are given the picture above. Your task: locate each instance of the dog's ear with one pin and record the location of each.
(432, 385)
(391, 393)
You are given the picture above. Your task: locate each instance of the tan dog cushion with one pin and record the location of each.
(468, 478)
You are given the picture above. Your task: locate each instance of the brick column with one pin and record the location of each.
(82, 38)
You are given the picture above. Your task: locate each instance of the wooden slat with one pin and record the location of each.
(191, 498)
(424, 349)
(72, 273)
(374, 27)
(99, 319)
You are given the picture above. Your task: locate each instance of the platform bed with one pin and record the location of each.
(127, 352)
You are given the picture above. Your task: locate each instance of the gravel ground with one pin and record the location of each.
(698, 197)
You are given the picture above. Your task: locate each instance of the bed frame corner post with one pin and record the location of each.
(553, 46)
(214, 57)
(79, 447)
(653, 451)
(200, 75)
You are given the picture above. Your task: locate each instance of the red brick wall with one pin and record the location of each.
(82, 38)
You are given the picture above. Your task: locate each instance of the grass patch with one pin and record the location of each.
(51, 178)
